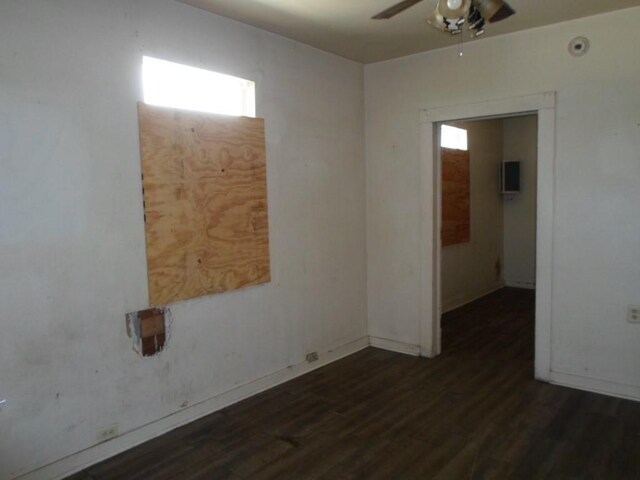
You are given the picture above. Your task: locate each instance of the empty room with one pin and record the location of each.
(274, 239)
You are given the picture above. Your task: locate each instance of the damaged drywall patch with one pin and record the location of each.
(149, 329)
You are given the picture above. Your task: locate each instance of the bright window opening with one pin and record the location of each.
(452, 137)
(169, 84)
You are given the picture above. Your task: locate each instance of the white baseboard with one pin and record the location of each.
(462, 303)
(81, 460)
(395, 346)
(595, 385)
(519, 284)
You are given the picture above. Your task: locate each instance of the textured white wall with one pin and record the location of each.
(468, 270)
(72, 248)
(521, 144)
(596, 272)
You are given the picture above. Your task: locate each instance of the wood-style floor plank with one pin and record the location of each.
(475, 413)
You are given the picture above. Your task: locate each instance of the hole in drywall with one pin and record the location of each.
(149, 330)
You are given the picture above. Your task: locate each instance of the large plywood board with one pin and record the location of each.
(456, 197)
(205, 203)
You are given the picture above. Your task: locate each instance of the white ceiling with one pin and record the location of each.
(345, 28)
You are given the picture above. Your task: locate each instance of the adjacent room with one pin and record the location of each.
(488, 214)
(319, 240)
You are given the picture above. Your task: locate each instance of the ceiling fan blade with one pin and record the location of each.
(396, 9)
(494, 10)
(505, 12)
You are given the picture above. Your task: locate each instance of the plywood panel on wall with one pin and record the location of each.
(456, 197)
(205, 195)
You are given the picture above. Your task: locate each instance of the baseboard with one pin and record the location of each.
(472, 299)
(81, 460)
(395, 346)
(595, 385)
(519, 284)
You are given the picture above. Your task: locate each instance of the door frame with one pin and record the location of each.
(544, 105)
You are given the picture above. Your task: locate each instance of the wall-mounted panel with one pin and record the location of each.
(205, 195)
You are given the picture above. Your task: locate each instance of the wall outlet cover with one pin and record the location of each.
(633, 314)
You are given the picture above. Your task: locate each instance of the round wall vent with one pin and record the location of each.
(579, 46)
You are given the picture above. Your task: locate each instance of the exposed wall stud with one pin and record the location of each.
(148, 329)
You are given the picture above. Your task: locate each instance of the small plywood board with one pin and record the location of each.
(456, 197)
(205, 203)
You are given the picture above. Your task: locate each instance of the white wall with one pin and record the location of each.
(521, 144)
(596, 226)
(469, 269)
(72, 248)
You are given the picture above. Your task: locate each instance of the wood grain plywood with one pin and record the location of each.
(205, 195)
(456, 197)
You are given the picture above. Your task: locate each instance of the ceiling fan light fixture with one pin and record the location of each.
(494, 10)
(449, 20)
(437, 21)
(453, 8)
(450, 16)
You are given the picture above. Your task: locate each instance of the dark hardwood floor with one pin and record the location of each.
(475, 412)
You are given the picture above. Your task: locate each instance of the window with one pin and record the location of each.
(452, 137)
(169, 84)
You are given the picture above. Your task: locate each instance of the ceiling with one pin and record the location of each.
(344, 27)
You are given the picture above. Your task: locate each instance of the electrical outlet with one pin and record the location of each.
(312, 357)
(633, 314)
(107, 433)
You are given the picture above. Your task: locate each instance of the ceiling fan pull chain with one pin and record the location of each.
(461, 45)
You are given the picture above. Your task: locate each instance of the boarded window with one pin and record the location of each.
(456, 197)
(205, 203)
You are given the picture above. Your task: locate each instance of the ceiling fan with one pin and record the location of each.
(450, 16)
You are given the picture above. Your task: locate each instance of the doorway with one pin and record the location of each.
(542, 105)
(488, 227)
